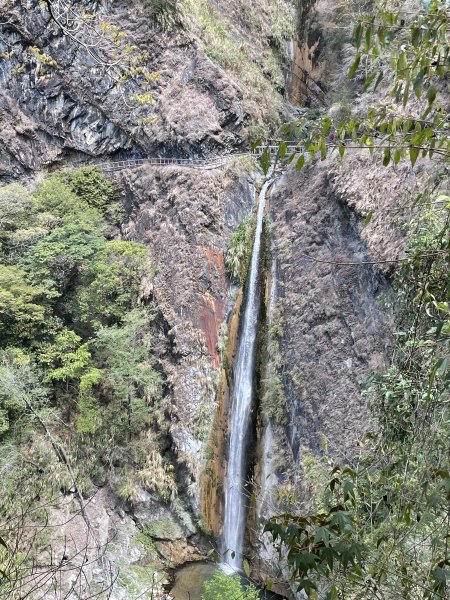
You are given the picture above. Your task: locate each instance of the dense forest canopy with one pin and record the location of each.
(76, 350)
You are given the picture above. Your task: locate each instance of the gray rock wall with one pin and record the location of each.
(57, 104)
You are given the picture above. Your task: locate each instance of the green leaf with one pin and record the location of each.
(332, 593)
(415, 36)
(381, 33)
(357, 34)
(333, 483)
(300, 162)
(387, 157)
(368, 39)
(443, 367)
(323, 149)
(402, 64)
(406, 91)
(418, 83)
(440, 575)
(431, 94)
(379, 80)
(355, 65)
(292, 156)
(349, 470)
(265, 160)
(246, 567)
(322, 535)
(413, 154)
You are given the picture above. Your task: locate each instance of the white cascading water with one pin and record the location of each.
(241, 403)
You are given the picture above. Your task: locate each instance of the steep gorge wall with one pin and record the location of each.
(58, 108)
(333, 317)
(185, 218)
(58, 112)
(204, 72)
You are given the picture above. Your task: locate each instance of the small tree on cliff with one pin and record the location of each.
(408, 53)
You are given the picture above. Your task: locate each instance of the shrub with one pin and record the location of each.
(222, 586)
(89, 184)
(239, 251)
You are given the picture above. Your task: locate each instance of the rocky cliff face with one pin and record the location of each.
(337, 232)
(336, 330)
(129, 82)
(59, 105)
(186, 217)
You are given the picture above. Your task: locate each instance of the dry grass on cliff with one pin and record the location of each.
(246, 38)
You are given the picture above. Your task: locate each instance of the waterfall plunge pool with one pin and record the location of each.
(189, 581)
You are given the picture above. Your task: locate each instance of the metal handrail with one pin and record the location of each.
(193, 163)
(157, 161)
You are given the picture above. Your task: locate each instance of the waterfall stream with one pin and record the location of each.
(241, 403)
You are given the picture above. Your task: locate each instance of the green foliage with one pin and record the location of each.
(56, 259)
(411, 54)
(65, 357)
(80, 398)
(165, 12)
(144, 540)
(273, 402)
(109, 284)
(21, 390)
(93, 188)
(222, 586)
(16, 206)
(273, 399)
(21, 314)
(55, 197)
(20, 226)
(70, 299)
(89, 419)
(164, 528)
(128, 374)
(256, 134)
(153, 472)
(238, 255)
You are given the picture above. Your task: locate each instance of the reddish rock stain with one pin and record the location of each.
(212, 309)
(211, 314)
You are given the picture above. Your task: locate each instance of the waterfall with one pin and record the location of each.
(241, 402)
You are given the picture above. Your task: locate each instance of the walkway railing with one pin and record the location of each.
(273, 150)
(192, 163)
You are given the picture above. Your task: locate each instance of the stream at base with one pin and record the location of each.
(190, 578)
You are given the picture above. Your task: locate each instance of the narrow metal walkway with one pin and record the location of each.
(192, 163)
